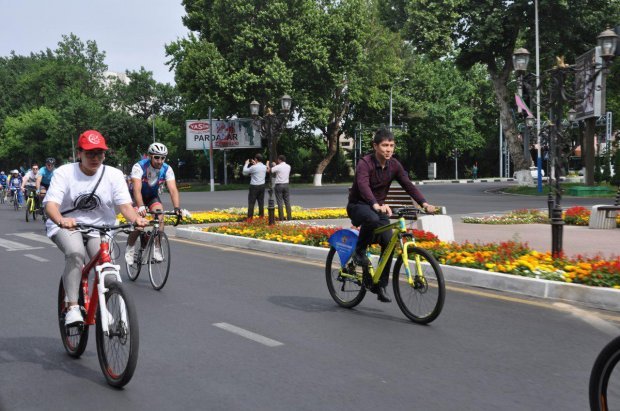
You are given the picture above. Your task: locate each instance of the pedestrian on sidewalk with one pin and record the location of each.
(282, 172)
(257, 171)
(474, 170)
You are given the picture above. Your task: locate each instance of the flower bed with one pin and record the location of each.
(506, 257)
(238, 214)
(576, 215)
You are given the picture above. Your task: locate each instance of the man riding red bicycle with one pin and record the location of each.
(84, 192)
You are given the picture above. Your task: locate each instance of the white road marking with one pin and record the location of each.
(15, 246)
(35, 237)
(590, 318)
(248, 334)
(36, 258)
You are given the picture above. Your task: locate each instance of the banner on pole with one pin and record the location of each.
(589, 85)
(226, 134)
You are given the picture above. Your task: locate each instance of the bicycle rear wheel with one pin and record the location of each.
(159, 268)
(133, 270)
(421, 298)
(118, 350)
(73, 338)
(344, 284)
(604, 383)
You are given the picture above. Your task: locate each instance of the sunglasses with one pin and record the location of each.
(159, 157)
(93, 154)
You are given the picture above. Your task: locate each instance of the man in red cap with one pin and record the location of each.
(84, 192)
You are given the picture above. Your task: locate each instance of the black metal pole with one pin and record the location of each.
(270, 204)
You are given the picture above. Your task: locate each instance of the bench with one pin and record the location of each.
(604, 216)
(440, 225)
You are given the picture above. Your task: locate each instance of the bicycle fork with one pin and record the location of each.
(104, 270)
(418, 265)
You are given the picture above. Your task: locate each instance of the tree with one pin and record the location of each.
(488, 32)
(324, 53)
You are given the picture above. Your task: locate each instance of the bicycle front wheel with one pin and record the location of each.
(28, 206)
(604, 383)
(73, 338)
(159, 260)
(419, 296)
(15, 202)
(344, 284)
(118, 349)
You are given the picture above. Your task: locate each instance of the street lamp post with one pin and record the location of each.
(392, 87)
(558, 95)
(270, 125)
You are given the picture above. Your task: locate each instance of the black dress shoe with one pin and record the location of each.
(360, 259)
(382, 295)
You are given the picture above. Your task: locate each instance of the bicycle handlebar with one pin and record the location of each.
(398, 212)
(178, 215)
(101, 228)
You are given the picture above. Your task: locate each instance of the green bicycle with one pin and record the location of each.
(417, 279)
(32, 205)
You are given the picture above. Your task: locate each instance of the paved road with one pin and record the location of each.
(486, 351)
(460, 199)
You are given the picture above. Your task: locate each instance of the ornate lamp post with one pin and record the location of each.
(557, 96)
(270, 125)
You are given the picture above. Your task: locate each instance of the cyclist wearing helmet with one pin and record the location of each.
(2, 180)
(44, 178)
(147, 175)
(15, 184)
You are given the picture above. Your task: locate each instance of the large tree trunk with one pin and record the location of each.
(333, 130)
(331, 133)
(515, 146)
(587, 151)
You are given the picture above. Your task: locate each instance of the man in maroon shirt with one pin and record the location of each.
(373, 175)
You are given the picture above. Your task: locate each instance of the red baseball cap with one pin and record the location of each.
(91, 140)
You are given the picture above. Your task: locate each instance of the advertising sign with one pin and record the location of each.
(226, 134)
(589, 85)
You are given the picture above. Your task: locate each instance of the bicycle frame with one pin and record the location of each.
(102, 263)
(400, 232)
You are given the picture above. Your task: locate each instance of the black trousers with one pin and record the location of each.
(362, 215)
(256, 193)
(282, 198)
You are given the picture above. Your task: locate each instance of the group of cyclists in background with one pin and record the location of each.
(17, 186)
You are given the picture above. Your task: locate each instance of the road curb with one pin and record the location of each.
(595, 297)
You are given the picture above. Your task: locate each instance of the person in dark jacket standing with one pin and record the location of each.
(373, 176)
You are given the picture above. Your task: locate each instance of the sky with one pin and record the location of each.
(132, 33)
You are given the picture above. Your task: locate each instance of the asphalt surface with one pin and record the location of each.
(240, 330)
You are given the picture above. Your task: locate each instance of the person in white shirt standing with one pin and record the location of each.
(257, 172)
(85, 192)
(282, 172)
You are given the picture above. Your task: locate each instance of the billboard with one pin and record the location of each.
(226, 134)
(589, 85)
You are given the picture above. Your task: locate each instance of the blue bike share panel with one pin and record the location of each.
(344, 242)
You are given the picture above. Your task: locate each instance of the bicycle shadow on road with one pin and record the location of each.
(50, 355)
(319, 305)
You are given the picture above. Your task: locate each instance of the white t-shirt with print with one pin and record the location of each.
(70, 184)
(152, 173)
(30, 178)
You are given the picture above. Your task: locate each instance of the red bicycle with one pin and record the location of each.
(116, 320)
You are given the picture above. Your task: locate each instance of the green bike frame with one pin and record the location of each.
(400, 232)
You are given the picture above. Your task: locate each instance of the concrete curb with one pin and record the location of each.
(595, 297)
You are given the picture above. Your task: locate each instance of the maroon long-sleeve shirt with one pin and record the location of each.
(372, 182)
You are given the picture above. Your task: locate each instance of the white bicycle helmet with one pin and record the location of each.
(158, 149)
(14, 172)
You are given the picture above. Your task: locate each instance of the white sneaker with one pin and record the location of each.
(129, 253)
(157, 255)
(74, 316)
